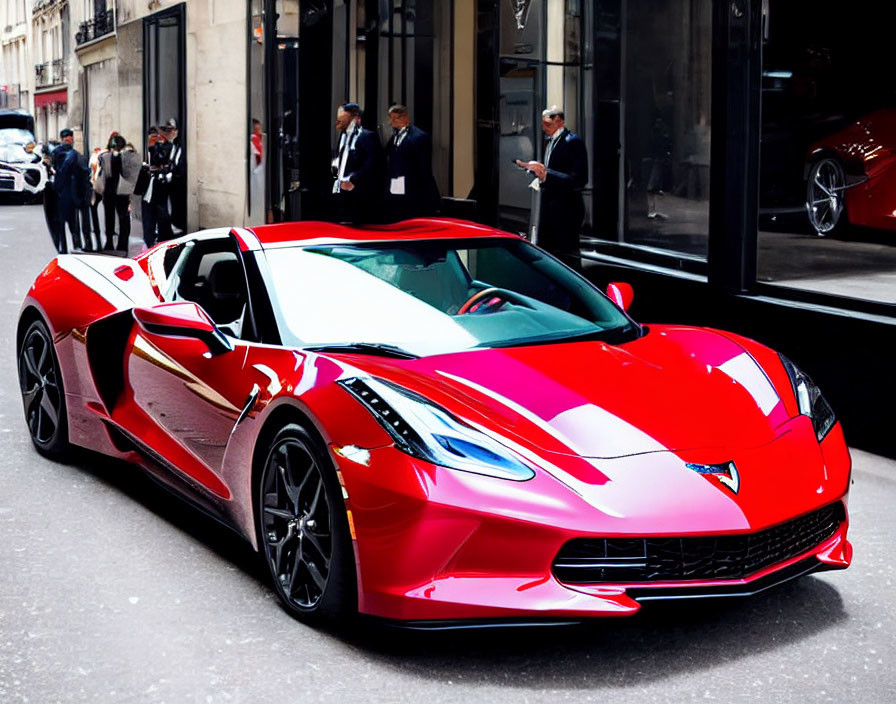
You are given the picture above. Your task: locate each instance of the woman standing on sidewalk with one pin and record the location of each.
(119, 168)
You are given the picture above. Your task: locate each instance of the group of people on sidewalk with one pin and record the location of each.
(375, 183)
(115, 177)
(372, 182)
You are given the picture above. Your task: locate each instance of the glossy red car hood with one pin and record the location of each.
(674, 389)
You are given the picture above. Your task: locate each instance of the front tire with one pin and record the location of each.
(43, 395)
(826, 197)
(303, 531)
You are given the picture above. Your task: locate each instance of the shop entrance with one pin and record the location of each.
(286, 113)
(164, 95)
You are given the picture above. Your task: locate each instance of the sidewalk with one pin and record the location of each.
(876, 465)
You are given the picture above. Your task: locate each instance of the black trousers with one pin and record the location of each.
(560, 225)
(178, 194)
(86, 241)
(54, 221)
(156, 222)
(355, 208)
(95, 219)
(147, 217)
(68, 213)
(117, 204)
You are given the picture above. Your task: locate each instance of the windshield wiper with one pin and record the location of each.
(612, 336)
(379, 348)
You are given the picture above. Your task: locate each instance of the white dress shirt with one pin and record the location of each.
(346, 144)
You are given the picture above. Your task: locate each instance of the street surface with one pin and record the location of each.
(113, 591)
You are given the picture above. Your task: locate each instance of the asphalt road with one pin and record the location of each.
(112, 591)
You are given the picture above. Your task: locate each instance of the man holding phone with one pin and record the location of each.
(560, 178)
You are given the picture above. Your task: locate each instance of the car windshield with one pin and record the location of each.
(14, 135)
(12, 144)
(436, 296)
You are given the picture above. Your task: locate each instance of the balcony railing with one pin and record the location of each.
(41, 4)
(102, 23)
(51, 73)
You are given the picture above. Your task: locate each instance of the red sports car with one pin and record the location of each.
(437, 422)
(851, 176)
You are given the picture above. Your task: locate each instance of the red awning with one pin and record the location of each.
(55, 96)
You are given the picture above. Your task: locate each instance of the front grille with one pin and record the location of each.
(616, 560)
(7, 184)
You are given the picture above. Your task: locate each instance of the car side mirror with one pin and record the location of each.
(622, 294)
(182, 320)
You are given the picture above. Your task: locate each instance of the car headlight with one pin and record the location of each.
(424, 430)
(810, 399)
(32, 176)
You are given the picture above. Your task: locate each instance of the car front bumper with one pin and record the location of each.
(22, 178)
(435, 546)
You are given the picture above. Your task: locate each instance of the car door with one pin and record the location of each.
(186, 384)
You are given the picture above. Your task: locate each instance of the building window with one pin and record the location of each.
(665, 127)
(164, 68)
(543, 62)
(828, 151)
(101, 23)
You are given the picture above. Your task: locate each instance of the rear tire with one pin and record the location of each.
(43, 395)
(303, 532)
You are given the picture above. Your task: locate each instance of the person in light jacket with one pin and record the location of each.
(119, 168)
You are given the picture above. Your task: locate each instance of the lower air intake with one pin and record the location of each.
(666, 559)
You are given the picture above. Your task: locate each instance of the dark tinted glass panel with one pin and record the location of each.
(828, 151)
(666, 55)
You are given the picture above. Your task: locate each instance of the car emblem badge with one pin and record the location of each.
(726, 473)
(521, 12)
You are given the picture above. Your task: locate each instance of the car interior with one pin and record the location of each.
(488, 291)
(210, 273)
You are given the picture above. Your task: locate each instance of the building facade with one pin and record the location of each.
(15, 56)
(140, 64)
(51, 54)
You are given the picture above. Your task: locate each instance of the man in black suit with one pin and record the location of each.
(411, 190)
(357, 169)
(177, 186)
(561, 179)
(70, 185)
(157, 217)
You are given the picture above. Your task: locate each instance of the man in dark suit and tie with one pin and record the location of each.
(357, 169)
(561, 179)
(411, 190)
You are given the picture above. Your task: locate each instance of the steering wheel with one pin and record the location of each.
(489, 297)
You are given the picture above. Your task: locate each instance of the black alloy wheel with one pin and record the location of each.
(43, 396)
(303, 529)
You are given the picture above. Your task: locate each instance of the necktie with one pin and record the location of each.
(345, 143)
(550, 149)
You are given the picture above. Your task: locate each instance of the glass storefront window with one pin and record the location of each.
(522, 33)
(541, 64)
(520, 138)
(665, 140)
(404, 55)
(256, 145)
(828, 149)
